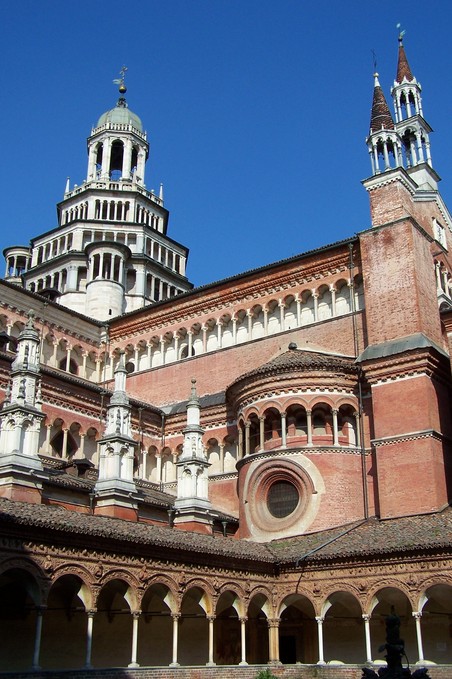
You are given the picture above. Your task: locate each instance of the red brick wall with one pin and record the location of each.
(221, 672)
(399, 284)
(215, 371)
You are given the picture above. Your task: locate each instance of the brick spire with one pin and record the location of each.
(381, 118)
(403, 67)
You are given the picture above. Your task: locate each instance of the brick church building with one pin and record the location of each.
(253, 471)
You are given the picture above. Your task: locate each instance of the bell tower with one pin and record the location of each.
(404, 361)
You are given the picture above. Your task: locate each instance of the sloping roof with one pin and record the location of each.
(403, 67)
(369, 538)
(361, 539)
(380, 118)
(302, 360)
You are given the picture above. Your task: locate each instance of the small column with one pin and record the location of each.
(282, 306)
(54, 354)
(81, 450)
(204, 338)
(221, 447)
(162, 350)
(211, 619)
(249, 315)
(438, 275)
(190, 343)
(273, 640)
(38, 632)
(283, 430)
(265, 312)
(357, 428)
(159, 467)
(89, 639)
(335, 429)
(366, 619)
(240, 443)
(309, 426)
(84, 359)
(247, 437)
(261, 432)
(219, 337)
(298, 302)
(133, 661)
(417, 615)
(149, 354)
(64, 446)
(333, 300)
(234, 330)
(175, 617)
(316, 305)
(320, 620)
(47, 443)
(243, 640)
(68, 358)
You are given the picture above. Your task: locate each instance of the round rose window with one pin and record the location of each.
(282, 499)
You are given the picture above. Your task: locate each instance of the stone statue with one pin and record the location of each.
(395, 651)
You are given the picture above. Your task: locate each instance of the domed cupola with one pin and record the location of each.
(120, 115)
(298, 426)
(117, 147)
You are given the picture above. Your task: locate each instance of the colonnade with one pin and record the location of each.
(134, 635)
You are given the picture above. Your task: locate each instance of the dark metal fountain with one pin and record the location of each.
(395, 651)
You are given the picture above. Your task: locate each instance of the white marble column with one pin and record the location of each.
(211, 619)
(320, 620)
(175, 617)
(243, 640)
(417, 615)
(133, 660)
(89, 639)
(38, 633)
(366, 619)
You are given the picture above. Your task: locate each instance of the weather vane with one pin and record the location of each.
(120, 81)
(401, 33)
(374, 57)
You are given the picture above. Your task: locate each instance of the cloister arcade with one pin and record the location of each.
(77, 617)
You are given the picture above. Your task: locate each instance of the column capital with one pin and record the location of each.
(91, 612)
(417, 615)
(319, 619)
(175, 616)
(243, 620)
(135, 614)
(366, 617)
(211, 618)
(273, 622)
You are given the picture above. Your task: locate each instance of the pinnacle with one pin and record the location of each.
(403, 67)
(381, 118)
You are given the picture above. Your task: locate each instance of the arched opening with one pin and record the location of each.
(436, 623)
(343, 629)
(257, 631)
(64, 625)
(19, 594)
(194, 628)
(156, 627)
(227, 630)
(117, 153)
(385, 601)
(298, 639)
(113, 622)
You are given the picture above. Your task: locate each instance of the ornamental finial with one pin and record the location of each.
(401, 34)
(120, 81)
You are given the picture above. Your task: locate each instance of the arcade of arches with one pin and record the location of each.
(94, 611)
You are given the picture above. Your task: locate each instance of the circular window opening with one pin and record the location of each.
(282, 499)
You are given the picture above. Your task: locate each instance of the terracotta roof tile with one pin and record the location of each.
(403, 67)
(381, 118)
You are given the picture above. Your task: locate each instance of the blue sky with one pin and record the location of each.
(256, 112)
